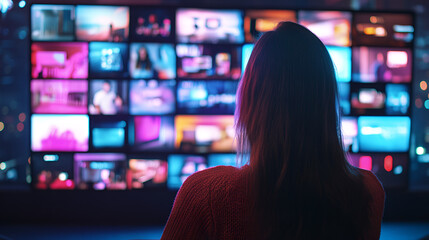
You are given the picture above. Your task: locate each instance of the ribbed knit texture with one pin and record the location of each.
(213, 204)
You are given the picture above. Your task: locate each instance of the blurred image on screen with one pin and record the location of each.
(344, 94)
(247, 51)
(366, 98)
(206, 97)
(108, 132)
(52, 22)
(349, 130)
(59, 96)
(208, 61)
(181, 167)
(214, 160)
(102, 23)
(63, 133)
(209, 26)
(152, 60)
(384, 134)
(108, 60)
(52, 171)
(152, 133)
(383, 29)
(59, 60)
(107, 97)
(152, 97)
(152, 24)
(257, 22)
(342, 58)
(332, 27)
(100, 171)
(397, 99)
(373, 64)
(146, 173)
(205, 133)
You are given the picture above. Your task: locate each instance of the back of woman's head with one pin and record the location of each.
(287, 119)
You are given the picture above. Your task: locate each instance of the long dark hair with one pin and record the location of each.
(287, 120)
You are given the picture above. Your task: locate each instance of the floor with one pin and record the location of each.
(389, 231)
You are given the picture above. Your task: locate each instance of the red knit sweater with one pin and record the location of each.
(211, 204)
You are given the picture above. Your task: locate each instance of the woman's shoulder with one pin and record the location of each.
(373, 184)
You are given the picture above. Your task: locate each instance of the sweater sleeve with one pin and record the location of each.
(376, 205)
(190, 217)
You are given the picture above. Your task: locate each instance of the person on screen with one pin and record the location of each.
(297, 182)
(143, 67)
(381, 70)
(106, 101)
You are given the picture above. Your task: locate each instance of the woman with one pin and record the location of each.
(298, 183)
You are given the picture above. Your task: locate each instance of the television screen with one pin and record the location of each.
(206, 97)
(152, 133)
(102, 23)
(152, 60)
(384, 134)
(108, 97)
(59, 60)
(374, 64)
(108, 132)
(209, 26)
(152, 24)
(146, 173)
(205, 133)
(52, 22)
(257, 22)
(152, 97)
(383, 29)
(397, 99)
(208, 61)
(349, 129)
(342, 58)
(214, 160)
(108, 60)
(63, 133)
(332, 27)
(181, 167)
(139, 97)
(59, 96)
(53, 171)
(100, 171)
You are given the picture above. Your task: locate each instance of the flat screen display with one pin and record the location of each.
(141, 97)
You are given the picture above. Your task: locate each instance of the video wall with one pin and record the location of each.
(142, 97)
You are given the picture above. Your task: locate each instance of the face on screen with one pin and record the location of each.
(63, 133)
(374, 64)
(332, 27)
(108, 97)
(152, 97)
(52, 22)
(152, 24)
(108, 60)
(102, 23)
(59, 96)
(53, 171)
(383, 29)
(257, 22)
(146, 173)
(152, 60)
(100, 171)
(206, 97)
(59, 60)
(209, 26)
(208, 61)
